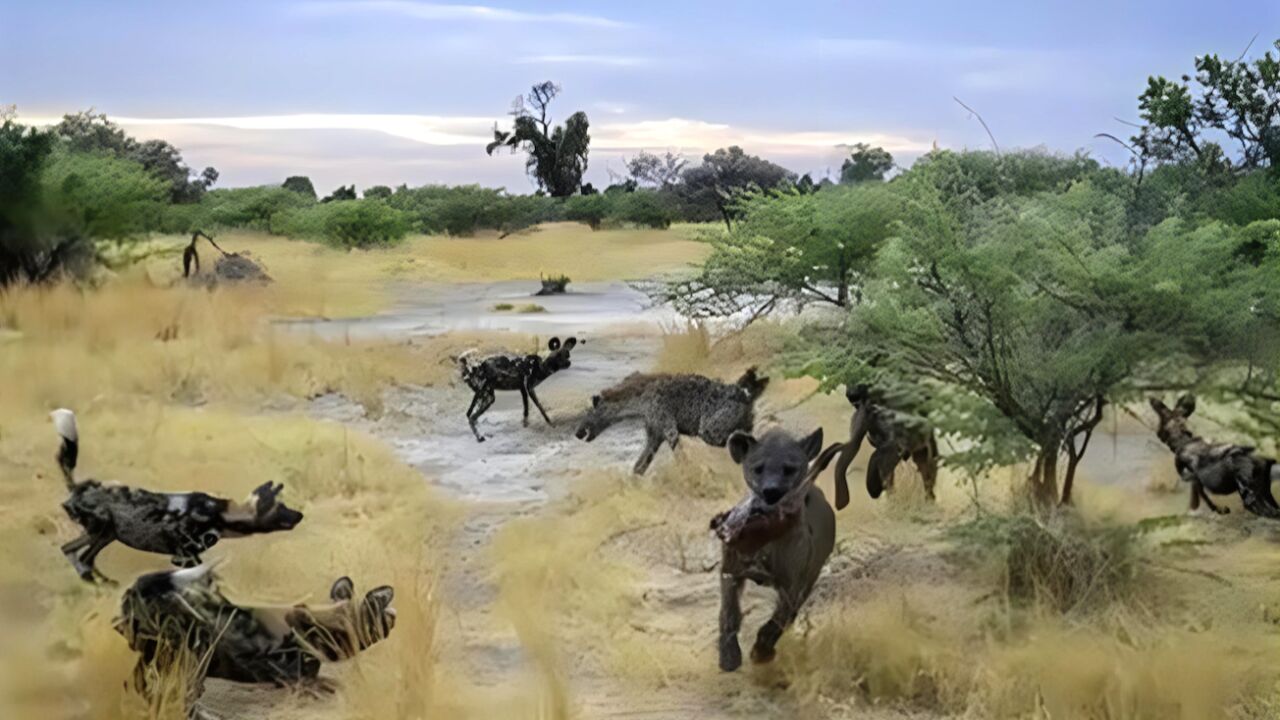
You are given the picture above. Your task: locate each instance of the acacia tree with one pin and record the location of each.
(300, 184)
(725, 174)
(864, 164)
(788, 249)
(93, 132)
(657, 171)
(1236, 101)
(557, 153)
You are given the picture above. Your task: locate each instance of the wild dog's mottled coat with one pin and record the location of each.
(894, 440)
(512, 372)
(181, 525)
(1218, 468)
(675, 405)
(166, 614)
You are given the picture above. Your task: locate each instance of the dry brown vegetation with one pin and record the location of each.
(1124, 611)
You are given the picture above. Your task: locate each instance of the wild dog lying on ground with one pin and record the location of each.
(182, 525)
(1221, 468)
(512, 372)
(170, 616)
(780, 537)
(894, 439)
(675, 405)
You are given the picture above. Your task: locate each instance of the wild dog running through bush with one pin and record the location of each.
(512, 372)
(1218, 468)
(182, 525)
(170, 616)
(675, 405)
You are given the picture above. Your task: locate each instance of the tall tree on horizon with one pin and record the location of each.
(557, 153)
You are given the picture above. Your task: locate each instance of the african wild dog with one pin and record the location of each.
(675, 405)
(165, 615)
(895, 440)
(181, 525)
(512, 372)
(1221, 468)
(780, 537)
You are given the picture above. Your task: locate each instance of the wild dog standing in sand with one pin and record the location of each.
(779, 537)
(894, 440)
(182, 525)
(675, 405)
(1221, 468)
(512, 372)
(166, 614)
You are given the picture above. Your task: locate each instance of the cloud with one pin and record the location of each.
(443, 11)
(474, 130)
(615, 60)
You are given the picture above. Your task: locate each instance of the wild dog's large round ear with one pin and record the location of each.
(553, 344)
(856, 393)
(740, 443)
(1158, 406)
(570, 343)
(1187, 405)
(381, 596)
(813, 444)
(343, 589)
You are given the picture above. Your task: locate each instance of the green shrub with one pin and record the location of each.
(503, 307)
(346, 223)
(590, 210)
(645, 208)
(1061, 563)
(249, 208)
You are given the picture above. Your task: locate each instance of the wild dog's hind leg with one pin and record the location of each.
(524, 398)
(926, 460)
(730, 622)
(89, 556)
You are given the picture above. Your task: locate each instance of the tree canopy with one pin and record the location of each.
(726, 173)
(865, 163)
(557, 153)
(89, 132)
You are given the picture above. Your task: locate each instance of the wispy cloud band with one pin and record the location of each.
(444, 11)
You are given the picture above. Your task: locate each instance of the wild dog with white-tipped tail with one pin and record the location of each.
(181, 525)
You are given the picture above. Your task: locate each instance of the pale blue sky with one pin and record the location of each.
(390, 91)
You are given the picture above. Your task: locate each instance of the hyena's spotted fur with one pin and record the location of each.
(675, 405)
(181, 525)
(168, 615)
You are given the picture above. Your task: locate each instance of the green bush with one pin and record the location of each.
(346, 223)
(590, 210)
(646, 208)
(464, 209)
(250, 208)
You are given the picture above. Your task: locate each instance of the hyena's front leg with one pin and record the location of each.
(730, 622)
(653, 441)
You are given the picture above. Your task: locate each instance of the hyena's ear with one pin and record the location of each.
(595, 401)
(381, 597)
(812, 444)
(343, 589)
(553, 344)
(1186, 405)
(740, 444)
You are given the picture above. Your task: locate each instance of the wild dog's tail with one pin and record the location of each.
(753, 383)
(64, 422)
